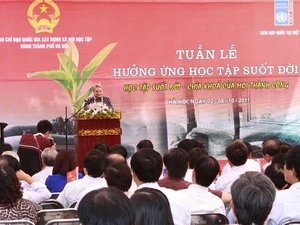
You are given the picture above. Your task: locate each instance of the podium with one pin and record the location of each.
(90, 131)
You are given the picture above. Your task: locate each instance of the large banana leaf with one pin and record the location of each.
(77, 105)
(72, 52)
(95, 63)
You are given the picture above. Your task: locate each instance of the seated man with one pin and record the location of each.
(269, 149)
(93, 163)
(176, 162)
(253, 194)
(237, 154)
(287, 202)
(48, 157)
(198, 196)
(106, 206)
(146, 165)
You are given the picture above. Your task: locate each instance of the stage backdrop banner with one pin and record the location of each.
(207, 70)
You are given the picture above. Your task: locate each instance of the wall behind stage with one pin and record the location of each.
(209, 70)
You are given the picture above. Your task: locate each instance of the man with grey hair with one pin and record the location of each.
(48, 157)
(253, 195)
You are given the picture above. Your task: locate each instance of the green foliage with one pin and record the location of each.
(69, 77)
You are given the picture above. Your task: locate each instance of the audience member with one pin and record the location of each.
(119, 175)
(237, 154)
(102, 147)
(194, 154)
(33, 190)
(65, 162)
(146, 165)
(188, 144)
(31, 146)
(287, 202)
(48, 158)
(13, 154)
(93, 167)
(284, 146)
(176, 161)
(252, 197)
(12, 205)
(5, 147)
(144, 144)
(269, 149)
(275, 172)
(198, 196)
(151, 207)
(119, 149)
(251, 164)
(108, 206)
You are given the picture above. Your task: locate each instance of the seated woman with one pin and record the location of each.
(151, 207)
(12, 205)
(65, 162)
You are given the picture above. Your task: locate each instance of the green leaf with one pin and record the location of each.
(63, 78)
(72, 52)
(69, 66)
(95, 63)
(77, 105)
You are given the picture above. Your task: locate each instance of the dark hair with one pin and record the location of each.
(119, 149)
(188, 144)
(144, 144)
(102, 147)
(206, 170)
(284, 147)
(270, 147)
(5, 147)
(114, 158)
(118, 175)
(94, 163)
(292, 160)
(176, 162)
(279, 158)
(10, 188)
(237, 152)
(151, 207)
(107, 206)
(275, 172)
(147, 165)
(11, 162)
(194, 154)
(249, 147)
(48, 156)
(253, 195)
(43, 126)
(65, 161)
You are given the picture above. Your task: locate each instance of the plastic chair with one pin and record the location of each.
(74, 221)
(54, 195)
(291, 222)
(20, 222)
(47, 215)
(51, 204)
(208, 219)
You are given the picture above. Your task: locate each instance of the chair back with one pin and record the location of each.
(47, 215)
(74, 221)
(16, 222)
(291, 222)
(54, 195)
(51, 204)
(209, 219)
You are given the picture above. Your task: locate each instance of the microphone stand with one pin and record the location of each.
(68, 118)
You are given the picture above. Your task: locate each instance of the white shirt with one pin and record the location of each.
(201, 200)
(43, 174)
(286, 206)
(179, 206)
(224, 182)
(37, 192)
(189, 175)
(75, 190)
(252, 165)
